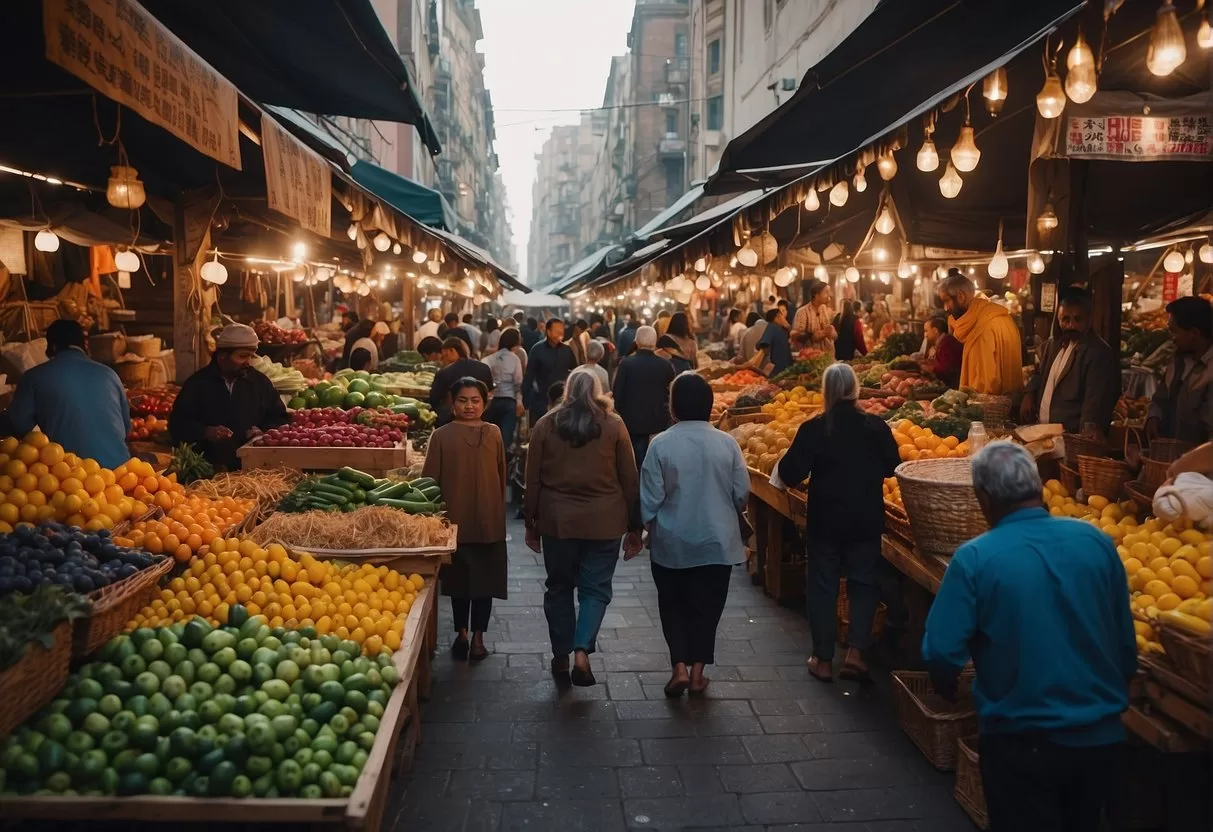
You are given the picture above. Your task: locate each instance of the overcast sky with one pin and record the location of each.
(541, 57)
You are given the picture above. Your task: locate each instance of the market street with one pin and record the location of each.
(767, 748)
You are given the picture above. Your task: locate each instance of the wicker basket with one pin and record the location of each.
(969, 792)
(933, 723)
(896, 522)
(842, 610)
(1190, 654)
(148, 346)
(1167, 450)
(35, 679)
(1077, 446)
(941, 504)
(1070, 479)
(1153, 472)
(133, 373)
(114, 605)
(1102, 476)
(1141, 493)
(106, 347)
(994, 409)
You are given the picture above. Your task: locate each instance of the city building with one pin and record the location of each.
(555, 236)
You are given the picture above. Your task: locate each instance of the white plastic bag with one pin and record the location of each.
(1190, 496)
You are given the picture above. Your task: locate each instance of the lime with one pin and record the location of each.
(89, 689)
(311, 791)
(208, 673)
(196, 657)
(137, 704)
(151, 650)
(241, 786)
(224, 657)
(262, 785)
(356, 699)
(258, 765)
(145, 732)
(324, 759)
(264, 655)
(185, 669)
(201, 690)
(133, 665)
(96, 725)
(114, 742)
(59, 782)
(221, 778)
(330, 784)
(166, 636)
(160, 786)
(56, 727)
(173, 686)
(276, 689)
(245, 648)
(210, 711)
(230, 723)
(262, 673)
(288, 777)
(161, 668)
(147, 764)
(225, 684)
(260, 737)
(339, 724)
(188, 702)
(141, 636)
(241, 671)
(159, 705)
(175, 654)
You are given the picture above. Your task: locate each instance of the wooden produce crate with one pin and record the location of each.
(1181, 698)
(35, 679)
(373, 461)
(111, 607)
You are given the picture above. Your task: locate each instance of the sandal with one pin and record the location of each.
(813, 664)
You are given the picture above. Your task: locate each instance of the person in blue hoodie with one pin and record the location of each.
(1041, 605)
(77, 402)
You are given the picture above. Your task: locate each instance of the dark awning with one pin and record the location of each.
(320, 56)
(421, 203)
(900, 62)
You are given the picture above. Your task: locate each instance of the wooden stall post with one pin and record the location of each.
(192, 212)
(408, 312)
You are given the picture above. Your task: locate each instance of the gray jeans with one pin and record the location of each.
(829, 560)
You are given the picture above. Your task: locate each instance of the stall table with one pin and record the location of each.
(373, 461)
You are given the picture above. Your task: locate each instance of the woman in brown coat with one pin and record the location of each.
(467, 458)
(582, 498)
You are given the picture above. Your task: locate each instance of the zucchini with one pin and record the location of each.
(330, 494)
(431, 493)
(412, 506)
(359, 496)
(423, 482)
(395, 491)
(357, 477)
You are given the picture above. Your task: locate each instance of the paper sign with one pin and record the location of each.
(1048, 297)
(118, 48)
(1140, 138)
(1184, 287)
(297, 179)
(1170, 286)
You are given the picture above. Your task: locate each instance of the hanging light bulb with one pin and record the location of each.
(884, 222)
(999, 266)
(940, 272)
(839, 193)
(1189, 256)
(1174, 261)
(382, 241)
(324, 274)
(1204, 35)
(821, 272)
(1051, 99)
(1080, 77)
(886, 166)
(352, 231)
(904, 269)
(127, 261)
(851, 274)
(46, 240)
(1036, 263)
(734, 285)
(1047, 220)
(1206, 253)
(747, 256)
(363, 290)
(861, 181)
(811, 202)
(213, 271)
(1166, 50)
(783, 277)
(994, 90)
(928, 158)
(124, 190)
(885, 278)
(434, 266)
(419, 256)
(703, 283)
(396, 249)
(965, 154)
(701, 265)
(950, 182)
(879, 254)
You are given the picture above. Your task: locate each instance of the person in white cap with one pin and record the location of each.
(364, 352)
(227, 402)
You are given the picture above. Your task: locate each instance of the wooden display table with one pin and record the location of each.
(373, 461)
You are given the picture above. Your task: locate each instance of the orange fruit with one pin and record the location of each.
(183, 553)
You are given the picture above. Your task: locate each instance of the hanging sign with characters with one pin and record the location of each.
(119, 49)
(1141, 138)
(297, 180)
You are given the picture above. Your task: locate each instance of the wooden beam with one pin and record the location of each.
(192, 213)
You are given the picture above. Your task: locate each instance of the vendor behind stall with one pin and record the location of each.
(1077, 380)
(943, 352)
(77, 402)
(227, 402)
(993, 352)
(1182, 407)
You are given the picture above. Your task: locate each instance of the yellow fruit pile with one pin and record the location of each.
(794, 402)
(364, 603)
(892, 491)
(40, 481)
(916, 442)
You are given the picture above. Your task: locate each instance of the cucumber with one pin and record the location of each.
(412, 506)
(330, 494)
(393, 492)
(357, 477)
(423, 482)
(431, 493)
(359, 496)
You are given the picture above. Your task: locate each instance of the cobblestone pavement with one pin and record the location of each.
(767, 749)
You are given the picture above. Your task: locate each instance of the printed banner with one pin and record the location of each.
(1140, 138)
(119, 49)
(297, 179)
(1170, 286)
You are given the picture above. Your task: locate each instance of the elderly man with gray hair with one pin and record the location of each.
(642, 392)
(1041, 605)
(594, 353)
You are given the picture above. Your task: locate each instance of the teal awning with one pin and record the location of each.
(423, 204)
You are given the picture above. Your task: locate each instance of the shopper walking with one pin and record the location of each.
(467, 458)
(582, 498)
(550, 361)
(642, 392)
(848, 453)
(680, 330)
(693, 486)
(506, 407)
(595, 352)
(1049, 720)
(455, 365)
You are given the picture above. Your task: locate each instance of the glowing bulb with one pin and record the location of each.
(299, 251)
(885, 277)
(701, 265)
(884, 223)
(1047, 220)
(213, 271)
(734, 285)
(324, 274)
(783, 277)
(1204, 35)
(950, 182)
(46, 240)
(434, 266)
(1206, 253)
(904, 269)
(861, 182)
(352, 231)
(1081, 83)
(363, 290)
(879, 255)
(418, 256)
(999, 266)
(811, 202)
(965, 154)
(396, 249)
(747, 257)
(1189, 256)
(1166, 50)
(382, 241)
(127, 261)
(994, 90)
(1036, 263)
(851, 274)
(928, 157)
(124, 190)
(1173, 262)
(839, 193)
(1051, 99)
(821, 272)
(886, 166)
(703, 283)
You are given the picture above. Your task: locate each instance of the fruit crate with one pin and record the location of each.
(35, 679)
(111, 607)
(1190, 654)
(395, 741)
(373, 461)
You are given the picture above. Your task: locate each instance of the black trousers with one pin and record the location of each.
(690, 602)
(1034, 784)
(480, 610)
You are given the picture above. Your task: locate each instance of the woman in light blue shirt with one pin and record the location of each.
(692, 486)
(506, 405)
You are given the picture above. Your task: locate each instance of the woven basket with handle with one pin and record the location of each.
(1077, 446)
(1102, 476)
(941, 503)
(1070, 479)
(1167, 450)
(111, 607)
(934, 723)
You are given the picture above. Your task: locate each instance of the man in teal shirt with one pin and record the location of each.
(77, 402)
(1041, 604)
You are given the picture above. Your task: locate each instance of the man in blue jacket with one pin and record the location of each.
(1041, 604)
(77, 402)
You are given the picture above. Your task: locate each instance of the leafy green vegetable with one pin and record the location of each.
(948, 426)
(897, 344)
(189, 465)
(28, 618)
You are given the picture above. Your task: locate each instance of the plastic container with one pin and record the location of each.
(978, 438)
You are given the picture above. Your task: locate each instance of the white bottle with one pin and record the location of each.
(977, 438)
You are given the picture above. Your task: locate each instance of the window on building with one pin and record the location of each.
(671, 121)
(674, 185)
(714, 57)
(680, 44)
(768, 15)
(716, 112)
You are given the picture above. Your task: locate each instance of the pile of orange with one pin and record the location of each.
(40, 481)
(191, 523)
(916, 442)
(364, 603)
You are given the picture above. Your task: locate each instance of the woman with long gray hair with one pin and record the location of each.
(846, 454)
(582, 499)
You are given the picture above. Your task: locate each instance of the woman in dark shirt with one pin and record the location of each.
(671, 351)
(850, 334)
(848, 453)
